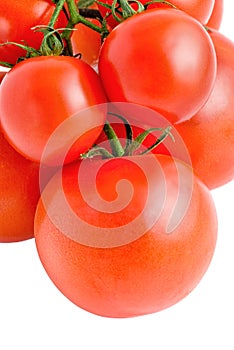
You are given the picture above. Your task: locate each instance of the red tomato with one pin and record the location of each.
(19, 194)
(209, 135)
(87, 42)
(17, 18)
(198, 9)
(47, 91)
(216, 16)
(110, 252)
(172, 73)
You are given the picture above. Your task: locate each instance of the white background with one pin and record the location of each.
(35, 315)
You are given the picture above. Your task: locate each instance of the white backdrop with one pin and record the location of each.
(35, 315)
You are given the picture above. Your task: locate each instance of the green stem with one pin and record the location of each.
(6, 64)
(97, 151)
(161, 138)
(52, 43)
(128, 11)
(69, 47)
(116, 147)
(58, 9)
(28, 49)
(115, 144)
(76, 18)
(128, 129)
(161, 2)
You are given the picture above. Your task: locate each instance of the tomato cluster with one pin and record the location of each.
(116, 122)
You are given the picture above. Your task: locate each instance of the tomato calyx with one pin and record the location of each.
(127, 10)
(123, 9)
(152, 2)
(131, 144)
(52, 45)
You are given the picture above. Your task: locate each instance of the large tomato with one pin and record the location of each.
(201, 10)
(19, 194)
(38, 94)
(107, 245)
(17, 18)
(209, 135)
(168, 63)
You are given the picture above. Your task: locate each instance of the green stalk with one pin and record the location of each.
(128, 129)
(165, 132)
(160, 2)
(6, 64)
(76, 18)
(58, 9)
(116, 147)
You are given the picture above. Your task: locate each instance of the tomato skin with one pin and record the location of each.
(31, 13)
(201, 10)
(209, 135)
(87, 42)
(19, 194)
(46, 91)
(144, 276)
(215, 19)
(161, 75)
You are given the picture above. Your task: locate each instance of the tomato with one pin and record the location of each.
(216, 16)
(46, 91)
(17, 18)
(110, 251)
(155, 69)
(209, 135)
(19, 194)
(201, 10)
(87, 42)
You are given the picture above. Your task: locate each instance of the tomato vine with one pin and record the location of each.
(57, 41)
(131, 145)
